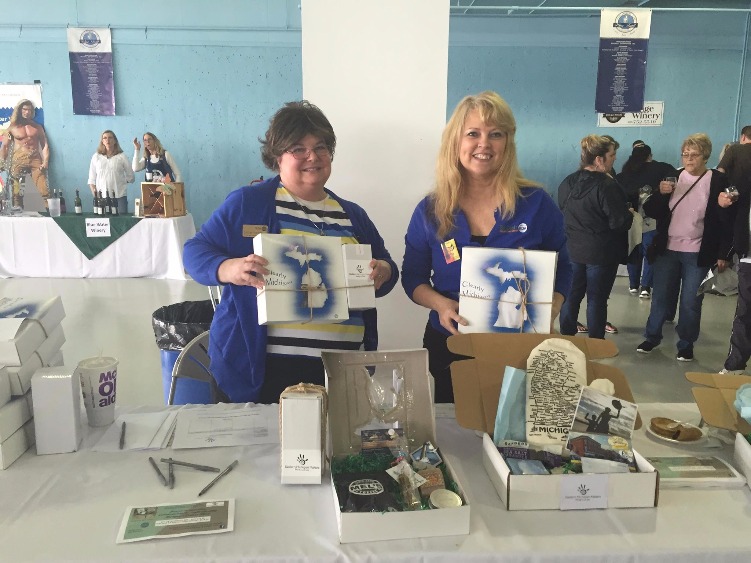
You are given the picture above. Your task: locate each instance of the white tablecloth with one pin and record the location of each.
(36, 247)
(68, 507)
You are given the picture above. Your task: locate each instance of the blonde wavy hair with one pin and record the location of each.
(450, 182)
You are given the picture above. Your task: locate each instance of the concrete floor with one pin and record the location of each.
(113, 317)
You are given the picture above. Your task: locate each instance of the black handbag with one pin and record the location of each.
(660, 241)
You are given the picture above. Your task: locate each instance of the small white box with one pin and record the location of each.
(347, 375)
(360, 288)
(14, 447)
(51, 345)
(57, 410)
(306, 283)
(19, 339)
(4, 386)
(507, 290)
(49, 312)
(13, 415)
(20, 376)
(300, 437)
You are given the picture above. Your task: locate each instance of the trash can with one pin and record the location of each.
(174, 326)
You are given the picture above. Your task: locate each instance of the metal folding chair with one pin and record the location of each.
(215, 295)
(193, 363)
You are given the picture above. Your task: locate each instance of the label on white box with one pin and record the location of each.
(358, 272)
(301, 462)
(579, 492)
(97, 227)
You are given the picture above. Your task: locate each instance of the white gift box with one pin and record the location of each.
(347, 375)
(360, 288)
(302, 418)
(15, 445)
(57, 359)
(19, 339)
(57, 410)
(13, 415)
(20, 376)
(51, 345)
(4, 386)
(48, 312)
(306, 283)
(506, 290)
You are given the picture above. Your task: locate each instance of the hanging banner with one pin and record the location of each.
(622, 65)
(650, 116)
(91, 76)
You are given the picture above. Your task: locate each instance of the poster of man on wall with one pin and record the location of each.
(24, 148)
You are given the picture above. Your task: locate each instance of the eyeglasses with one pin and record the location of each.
(691, 155)
(302, 153)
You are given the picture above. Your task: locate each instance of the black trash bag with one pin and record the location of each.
(177, 324)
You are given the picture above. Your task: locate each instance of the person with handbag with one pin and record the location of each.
(694, 231)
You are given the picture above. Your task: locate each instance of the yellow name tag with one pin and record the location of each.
(253, 230)
(450, 252)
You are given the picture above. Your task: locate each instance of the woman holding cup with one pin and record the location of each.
(694, 231)
(158, 162)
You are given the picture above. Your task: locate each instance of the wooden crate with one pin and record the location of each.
(156, 203)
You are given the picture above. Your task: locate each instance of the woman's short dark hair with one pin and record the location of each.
(289, 125)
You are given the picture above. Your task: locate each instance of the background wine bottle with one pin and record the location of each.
(78, 204)
(107, 203)
(63, 207)
(113, 206)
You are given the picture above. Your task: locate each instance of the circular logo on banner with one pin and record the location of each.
(614, 117)
(522, 227)
(625, 22)
(90, 39)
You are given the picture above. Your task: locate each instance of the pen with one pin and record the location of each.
(159, 473)
(122, 436)
(191, 465)
(171, 476)
(229, 468)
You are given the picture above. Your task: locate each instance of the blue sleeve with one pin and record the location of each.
(417, 264)
(371, 236)
(555, 239)
(219, 239)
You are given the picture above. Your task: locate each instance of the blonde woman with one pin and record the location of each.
(157, 161)
(480, 198)
(597, 222)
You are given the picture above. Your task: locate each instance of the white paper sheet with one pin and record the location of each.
(143, 431)
(225, 425)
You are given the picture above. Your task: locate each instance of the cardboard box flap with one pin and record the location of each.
(716, 400)
(515, 348)
(348, 382)
(477, 381)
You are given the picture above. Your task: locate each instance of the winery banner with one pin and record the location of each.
(91, 76)
(622, 64)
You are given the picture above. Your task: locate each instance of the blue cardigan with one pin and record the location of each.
(237, 346)
(537, 224)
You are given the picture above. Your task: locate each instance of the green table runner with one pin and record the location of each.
(75, 227)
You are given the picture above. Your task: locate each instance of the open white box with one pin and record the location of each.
(477, 386)
(349, 408)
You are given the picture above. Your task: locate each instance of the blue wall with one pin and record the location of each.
(546, 68)
(205, 84)
(207, 81)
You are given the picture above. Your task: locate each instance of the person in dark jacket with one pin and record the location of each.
(597, 220)
(638, 172)
(694, 231)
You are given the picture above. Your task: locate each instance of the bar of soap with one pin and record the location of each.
(434, 481)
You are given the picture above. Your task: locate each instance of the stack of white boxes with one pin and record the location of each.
(30, 337)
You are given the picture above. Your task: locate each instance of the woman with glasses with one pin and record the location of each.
(597, 220)
(694, 231)
(157, 161)
(480, 199)
(253, 362)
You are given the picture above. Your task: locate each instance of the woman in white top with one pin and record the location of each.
(157, 161)
(110, 171)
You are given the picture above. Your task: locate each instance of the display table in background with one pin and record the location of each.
(147, 248)
(69, 506)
